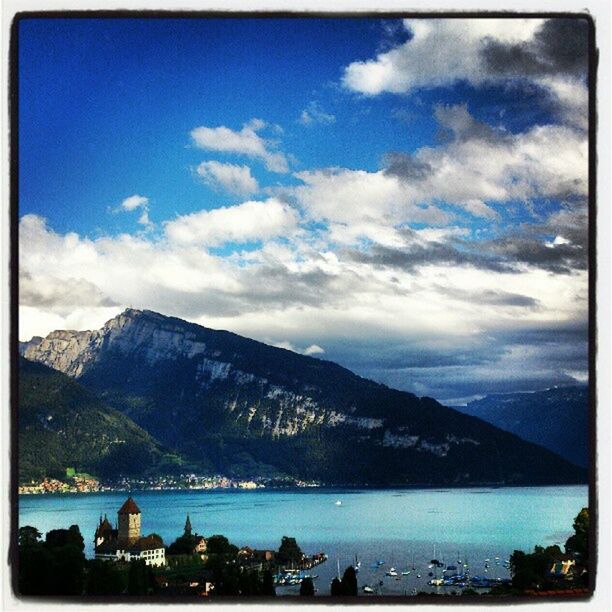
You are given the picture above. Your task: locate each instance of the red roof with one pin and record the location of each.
(129, 507)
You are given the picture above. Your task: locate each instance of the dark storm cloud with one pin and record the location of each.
(456, 123)
(559, 258)
(390, 355)
(432, 253)
(495, 298)
(559, 47)
(406, 167)
(521, 359)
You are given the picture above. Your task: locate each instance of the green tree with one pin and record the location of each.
(28, 536)
(138, 579)
(578, 543)
(220, 545)
(289, 551)
(267, 587)
(336, 588)
(349, 582)
(103, 578)
(307, 588)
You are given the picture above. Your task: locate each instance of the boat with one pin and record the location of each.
(418, 575)
(436, 582)
(406, 573)
(338, 502)
(392, 572)
(367, 589)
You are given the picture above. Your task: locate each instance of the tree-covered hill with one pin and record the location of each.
(62, 424)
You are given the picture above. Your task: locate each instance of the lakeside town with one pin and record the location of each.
(74, 482)
(128, 563)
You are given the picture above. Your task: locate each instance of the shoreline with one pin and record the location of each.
(296, 489)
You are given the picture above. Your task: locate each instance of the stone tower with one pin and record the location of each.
(129, 523)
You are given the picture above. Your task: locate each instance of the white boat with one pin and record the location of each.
(367, 589)
(406, 573)
(338, 502)
(436, 582)
(392, 572)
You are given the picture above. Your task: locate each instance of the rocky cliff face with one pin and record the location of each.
(226, 400)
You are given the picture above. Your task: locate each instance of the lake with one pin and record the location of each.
(393, 525)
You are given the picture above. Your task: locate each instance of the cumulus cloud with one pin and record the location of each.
(252, 220)
(475, 168)
(61, 296)
(549, 53)
(293, 290)
(313, 114)
(247, 142)
(137, 202)
(231, 177)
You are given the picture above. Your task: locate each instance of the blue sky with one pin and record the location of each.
(327, 183)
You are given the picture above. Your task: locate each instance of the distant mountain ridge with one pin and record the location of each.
(239, 406)
(557, 419)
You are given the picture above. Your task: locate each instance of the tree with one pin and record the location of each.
(220, 545)
(336, 588)
(62, 537)
(307, 588)
(349, 582)
(578, 543)
(28, 536)
(53, 567)
(103, 578)
(138, 578)
(289, 551)
(267, 587)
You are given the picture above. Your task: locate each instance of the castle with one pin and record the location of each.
(125, 542)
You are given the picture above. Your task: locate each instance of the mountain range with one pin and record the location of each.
(557, 419)
(233, 405)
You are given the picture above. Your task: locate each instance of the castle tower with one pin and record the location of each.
(129, 523)
(187, 526)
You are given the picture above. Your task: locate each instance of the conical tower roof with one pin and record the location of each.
(129, 507)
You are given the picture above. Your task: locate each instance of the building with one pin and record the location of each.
(563, 568)
(124, 543)
(198, 541)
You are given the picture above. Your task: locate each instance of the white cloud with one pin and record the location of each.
(313, 113)
(314, 349)
(444, 51)
(137, 202)
(476, 168)
(252, 220)
(245, 142)
(134, 202)
(440, 52)
(235, 179)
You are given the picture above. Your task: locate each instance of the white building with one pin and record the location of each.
(125, 542)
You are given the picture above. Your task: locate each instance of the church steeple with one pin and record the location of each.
(188, 526)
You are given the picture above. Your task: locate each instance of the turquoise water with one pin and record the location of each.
(390, 524)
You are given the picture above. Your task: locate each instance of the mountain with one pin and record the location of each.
(557, 419)
(62, 424)
(240, 406)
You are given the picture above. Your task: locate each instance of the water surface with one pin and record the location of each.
(393, 525)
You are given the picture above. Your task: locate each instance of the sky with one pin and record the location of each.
(407, 198)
